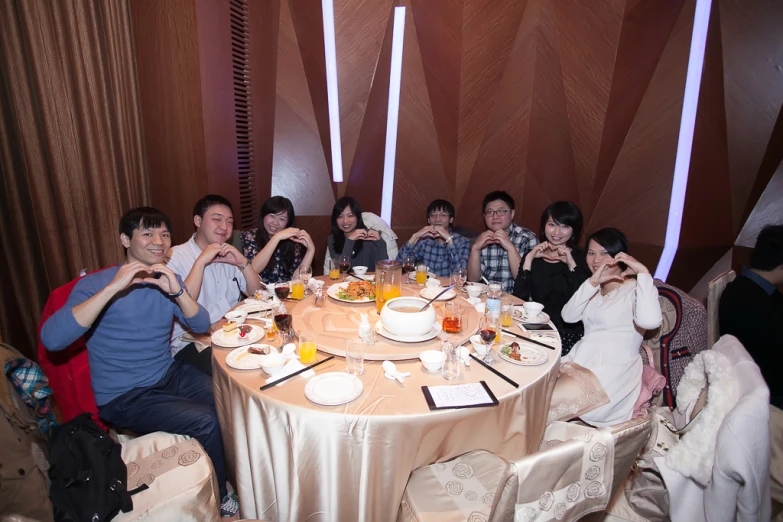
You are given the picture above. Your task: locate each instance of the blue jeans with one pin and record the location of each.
(182, 403)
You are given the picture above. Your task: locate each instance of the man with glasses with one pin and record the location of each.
(215, 272)
(497, 251)
(437, 245)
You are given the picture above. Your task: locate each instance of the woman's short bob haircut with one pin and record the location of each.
(612, 240)
(563, 213)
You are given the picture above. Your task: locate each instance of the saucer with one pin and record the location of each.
(436, 330)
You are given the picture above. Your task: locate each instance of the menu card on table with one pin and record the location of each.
(470, 395)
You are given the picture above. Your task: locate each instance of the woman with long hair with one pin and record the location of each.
(617, 305)
(350, 237)
(554, 269)
(277, 248)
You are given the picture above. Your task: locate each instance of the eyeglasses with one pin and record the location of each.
(492, 213)
(439, 215)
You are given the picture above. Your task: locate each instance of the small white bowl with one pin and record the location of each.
(478, 345)
(473, 291)
(360, 270)
(316, 282)
(272, 363)
(237, 316)
(432, 360)
(532, 309)
(433, 282)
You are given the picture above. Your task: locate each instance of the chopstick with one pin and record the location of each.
(490, 368)
(360, 278)
(283, 379)
(527, 339)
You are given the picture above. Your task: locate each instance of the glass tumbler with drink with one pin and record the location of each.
(305, 273)
(488, 329)
(354, 356)
(297, 288)
(452, 318)
(506, 312)
(344, 264)
(283, 323)
(451, 361)
(459, 276)
(408, 266)
(421, 275)
(307, 347)
(334, 270)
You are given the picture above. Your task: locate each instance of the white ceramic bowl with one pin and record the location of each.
(272, 363)
(473, 290)
(360, 270)
(238, 316)
(532, 309)
(478, 345)
(407, 324)
(432, 360)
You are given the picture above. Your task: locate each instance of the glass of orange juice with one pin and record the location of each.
(506, 313)
(421, 275)
(307, 347)
(334, 270)
(297, 289)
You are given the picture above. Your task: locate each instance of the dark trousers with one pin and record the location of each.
(182, 403)
(201, 360)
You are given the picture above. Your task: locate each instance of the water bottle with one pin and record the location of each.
(494, 291)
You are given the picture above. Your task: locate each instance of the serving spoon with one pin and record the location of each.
(452, 285)
(391, 368)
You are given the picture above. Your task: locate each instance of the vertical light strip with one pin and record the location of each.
(393, 113)
(682, 163)
(330, 51)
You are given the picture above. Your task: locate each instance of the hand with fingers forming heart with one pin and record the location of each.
(634, 266)
(606, 273)
(167, 281)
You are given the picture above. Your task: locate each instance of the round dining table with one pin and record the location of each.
(294, 460)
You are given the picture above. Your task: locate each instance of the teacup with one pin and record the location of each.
(473, 290)
(272, 363)
(533, 309)
(478, 345)
(432, 359)
(237, 316)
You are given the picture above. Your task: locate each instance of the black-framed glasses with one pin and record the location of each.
(439, 215)
(492, 213)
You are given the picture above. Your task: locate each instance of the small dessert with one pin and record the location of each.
(244, 329)
(514, 354)
(230, 329)
(258, 351)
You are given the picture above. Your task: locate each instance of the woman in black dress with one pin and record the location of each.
(551, 272)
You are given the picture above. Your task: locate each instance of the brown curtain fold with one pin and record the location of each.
(71, 149)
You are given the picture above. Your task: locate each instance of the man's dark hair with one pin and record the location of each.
(204, 204)
(768, 252)
(442, 205)
(143, 218)
(564, 213)
(501, 195)
(612, 240)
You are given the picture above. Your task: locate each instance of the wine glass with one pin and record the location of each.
(283, 323)
(459, 276)
(488, 329)
(408, 265)
(345, 265)
(305, 272)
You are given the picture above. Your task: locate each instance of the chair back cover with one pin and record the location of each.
(716, 288)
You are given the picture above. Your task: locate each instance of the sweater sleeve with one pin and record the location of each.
(61, 329)
(575, 307)
(522, 283)
(647, 310)
(381, 252)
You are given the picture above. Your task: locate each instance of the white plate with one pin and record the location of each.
(436, 330)
(232, 342)
(521, 316)
(332, 292)
(240, 359)
(331, 389)
(430, 292)
(255, 307)
(532, 355)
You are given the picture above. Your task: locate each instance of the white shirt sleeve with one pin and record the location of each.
(647, 310)
(575, 307)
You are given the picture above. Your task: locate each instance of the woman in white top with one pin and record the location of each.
(616, 309)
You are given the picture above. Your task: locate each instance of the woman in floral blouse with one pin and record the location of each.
(277, 248)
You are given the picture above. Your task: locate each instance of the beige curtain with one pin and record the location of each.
(71, 149)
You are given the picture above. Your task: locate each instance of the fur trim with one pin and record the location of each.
(694, 455)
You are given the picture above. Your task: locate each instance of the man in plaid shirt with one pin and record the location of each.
(437, 245)
(497, 252)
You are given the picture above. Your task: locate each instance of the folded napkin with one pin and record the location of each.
(293, 365)
(477, 304)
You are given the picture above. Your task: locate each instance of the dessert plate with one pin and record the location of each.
(241, 359)
(233, 341)
(331, 389)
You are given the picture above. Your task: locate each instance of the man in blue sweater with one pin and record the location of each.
(125, 314)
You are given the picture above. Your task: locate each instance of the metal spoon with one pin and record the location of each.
(452, 285)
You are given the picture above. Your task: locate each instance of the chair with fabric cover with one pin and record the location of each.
(575, 472)
(730, 480)
(682, 334)
(178, 473)
(716, 288)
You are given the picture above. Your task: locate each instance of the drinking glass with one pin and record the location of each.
(459, 275)
(488, 329)
(452, 318)
(283, 323)
(305, 273)
(408, 266)
(345, 265)
(334, 270)
(282, 290)
(421, 275)
(506, 312)
(297, 288)
(354, 356)
(307, 347)
(451, 363)
(271, 333)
